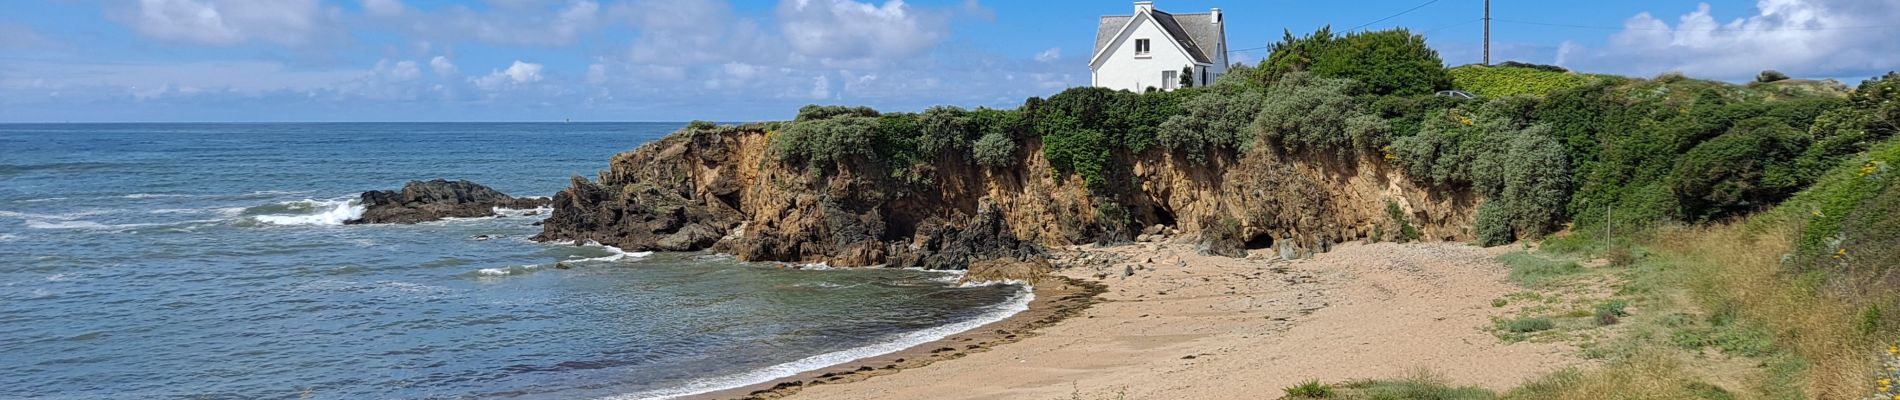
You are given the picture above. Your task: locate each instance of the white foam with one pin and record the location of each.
(617, 255)
(1015, 304)
(523, 212)
(152, 196)
(334, 212)
(7, 237)
(40, 224)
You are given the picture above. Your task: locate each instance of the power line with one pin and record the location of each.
(1718, 29)
(1408, 10)
(1454, 25)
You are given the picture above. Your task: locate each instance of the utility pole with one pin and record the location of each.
(1487, 32)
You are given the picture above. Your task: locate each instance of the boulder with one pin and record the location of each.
(420, 201)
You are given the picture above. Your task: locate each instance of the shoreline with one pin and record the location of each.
(1185, 325)
(1056, 298)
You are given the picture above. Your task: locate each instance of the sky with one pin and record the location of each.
(745, 60)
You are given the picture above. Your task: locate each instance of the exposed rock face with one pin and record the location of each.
(420, 201)
(722, 190)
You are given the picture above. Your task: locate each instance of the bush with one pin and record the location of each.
(698, 125)
(1749, 168)
(944, 128)
(1503, 81)
(825, 140)
(1407, 233)
(995, 149)
(1539, 67)
(1771, 76)
(1536, 182)
(1311, 389)
(816, 112)
(1494, 228)
(1213, 120)
(1301, 113)
(1391, 61)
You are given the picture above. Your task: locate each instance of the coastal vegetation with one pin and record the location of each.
(1754, 221)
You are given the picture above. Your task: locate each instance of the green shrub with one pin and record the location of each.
(1301, 113)
(1213, 120)
(1767, 76)
(1393, 61)
(944, 128)
(698, 125)
(1749, 168)
(1407, 233)
(1608, 312)
(995, 149)
(1503, 81)
(824, 141)
(1494, 228)
(1311, 389)
(1536, 182)
(816, 112)
(1539, 67)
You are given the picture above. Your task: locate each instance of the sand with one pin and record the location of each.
(1191, 326)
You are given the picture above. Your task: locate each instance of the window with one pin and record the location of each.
(1169, 79)
(1141, 47)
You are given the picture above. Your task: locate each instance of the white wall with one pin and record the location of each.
(1122, 70)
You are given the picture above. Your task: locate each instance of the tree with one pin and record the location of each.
(1187, 76)
(1387, 62)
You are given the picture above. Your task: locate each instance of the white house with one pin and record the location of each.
(1151, 47)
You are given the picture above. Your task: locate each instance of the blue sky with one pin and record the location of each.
(674, 60)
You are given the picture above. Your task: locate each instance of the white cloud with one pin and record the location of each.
(520, 73)
(820, 87)
(442, 66)
(1050, 55)
(536, 23)
(1801, 37)
(848, 30)
(229, 22)
(399, 71)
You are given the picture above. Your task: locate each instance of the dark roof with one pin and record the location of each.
(1196, 32)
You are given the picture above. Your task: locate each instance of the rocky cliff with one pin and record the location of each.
(722, 189)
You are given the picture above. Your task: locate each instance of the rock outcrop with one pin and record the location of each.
(420, 201)
(723, 190)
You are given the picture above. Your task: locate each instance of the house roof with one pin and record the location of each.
(1193, 31)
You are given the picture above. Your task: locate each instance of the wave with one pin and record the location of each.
(153, 195)
(1015, 304)
(523, 212)
(617, 255)
(307, 212)
(4, 237)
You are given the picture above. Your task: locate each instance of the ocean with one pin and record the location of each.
(210, 261)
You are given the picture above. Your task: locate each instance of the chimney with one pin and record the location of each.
(1216, 18)
(1144, 6)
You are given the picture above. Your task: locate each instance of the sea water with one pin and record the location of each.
(210, 261)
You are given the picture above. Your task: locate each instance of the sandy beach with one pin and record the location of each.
(1183, 325)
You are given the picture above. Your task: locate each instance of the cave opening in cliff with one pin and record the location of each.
(1259, 241)
(1163, 216)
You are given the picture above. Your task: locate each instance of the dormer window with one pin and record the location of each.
(1141, 47)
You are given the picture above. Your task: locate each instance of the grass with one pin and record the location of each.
(1533, 270)
(1311, 389)
(1527, 325)
(1420, 384)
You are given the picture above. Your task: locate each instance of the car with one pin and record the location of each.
(1457, 94)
